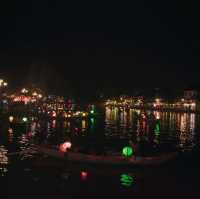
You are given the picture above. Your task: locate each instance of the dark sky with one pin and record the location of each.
(90, 47)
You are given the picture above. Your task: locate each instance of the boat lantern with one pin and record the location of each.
(127, 151)
(84, 175)
(65, 146)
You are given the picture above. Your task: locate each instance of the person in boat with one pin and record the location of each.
(135, 147)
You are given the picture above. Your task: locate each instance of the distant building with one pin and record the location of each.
(190, 100)
(190, 94)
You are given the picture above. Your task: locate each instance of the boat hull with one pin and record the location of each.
(108, 160)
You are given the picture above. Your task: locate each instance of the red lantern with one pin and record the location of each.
(65, 146)
(84, 175)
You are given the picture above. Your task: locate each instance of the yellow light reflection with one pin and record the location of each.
(3, 161)
(83, 124)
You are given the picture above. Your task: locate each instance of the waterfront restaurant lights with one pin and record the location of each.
(24, 91)
(3, 83)
(157, 103)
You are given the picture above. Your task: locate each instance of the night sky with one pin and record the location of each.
(85, 48)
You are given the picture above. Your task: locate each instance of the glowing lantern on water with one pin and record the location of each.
(11, 118)
(25, 119)
(65, 146)
(92, 111)
(127, 151)
(84, 175)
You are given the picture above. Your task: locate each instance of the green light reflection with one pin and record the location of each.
(126, 180)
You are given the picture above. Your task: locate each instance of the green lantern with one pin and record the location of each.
(127, 151)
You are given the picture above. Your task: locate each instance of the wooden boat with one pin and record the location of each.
(107, 160)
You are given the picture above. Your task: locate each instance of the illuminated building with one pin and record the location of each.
(3, 83)
(188, 104)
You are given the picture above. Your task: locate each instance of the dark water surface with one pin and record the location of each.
(22, 177)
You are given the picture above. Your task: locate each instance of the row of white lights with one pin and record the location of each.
(35, 94)
(24, 119)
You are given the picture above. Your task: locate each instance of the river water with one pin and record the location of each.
(107, 133)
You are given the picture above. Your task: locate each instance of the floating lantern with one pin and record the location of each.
(11, 118)
(65, 146)
(25, 119)
(127, 151)
(92, 111)
(84, 175)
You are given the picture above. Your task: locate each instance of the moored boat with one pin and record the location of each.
(107, 159)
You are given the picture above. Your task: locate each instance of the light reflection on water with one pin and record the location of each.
(3, 161)
(177, 129)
